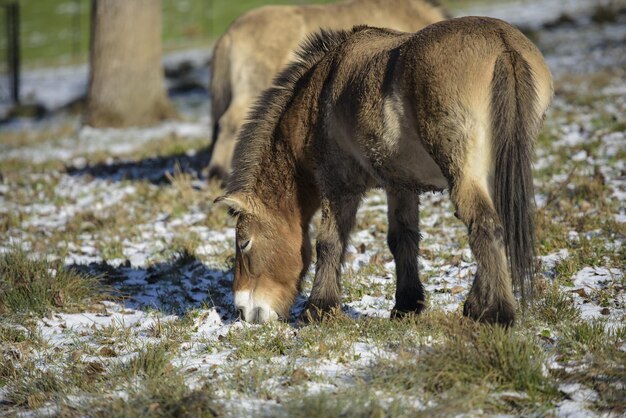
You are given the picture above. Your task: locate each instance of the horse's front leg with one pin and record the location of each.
(403, 240)
(338, 215)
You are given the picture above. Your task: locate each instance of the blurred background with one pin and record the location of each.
(54, 34)
(45, 45)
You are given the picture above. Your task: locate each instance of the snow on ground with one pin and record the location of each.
(158, 290)
(113, 141)
(56, 88)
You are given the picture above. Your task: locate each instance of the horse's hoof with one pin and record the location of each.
(499, 315)
(399, 313)
(308, 316)
(314, 313)
(395, 314)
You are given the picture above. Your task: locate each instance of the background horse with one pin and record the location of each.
(261, 42)
(457, 105)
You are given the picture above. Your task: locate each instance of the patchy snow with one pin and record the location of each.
(578, 402)
(574, 409)
(596, 277)
(550, 260)
(113, 141)
(379, 307)
(158, 290)
(56, 88)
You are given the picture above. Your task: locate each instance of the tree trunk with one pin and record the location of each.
(126, 85)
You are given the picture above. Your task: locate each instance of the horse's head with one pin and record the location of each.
(272, 255)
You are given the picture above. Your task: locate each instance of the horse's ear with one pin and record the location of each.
(235, 203)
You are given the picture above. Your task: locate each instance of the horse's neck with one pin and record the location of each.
(285, 181)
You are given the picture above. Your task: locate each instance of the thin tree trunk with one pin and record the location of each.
(126, 86)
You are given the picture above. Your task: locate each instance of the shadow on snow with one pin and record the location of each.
(178, 286)
(172, 287)
(153, 169)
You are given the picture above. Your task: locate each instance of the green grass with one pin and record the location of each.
(596, 354)
(175, 330)
(33, 285)
(593, 337)
(555, 306)
(171, 399)
(435, 364)
(473, 362)
(54, 31)
(349, 403)
(35, 387)
(153, 385)
(57, 31)
(150, 364)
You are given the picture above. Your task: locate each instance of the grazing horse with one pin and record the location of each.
(261, 42)
(457, 105)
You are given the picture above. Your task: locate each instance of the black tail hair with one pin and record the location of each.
(515, 125)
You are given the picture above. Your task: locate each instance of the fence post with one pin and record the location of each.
(13, 48)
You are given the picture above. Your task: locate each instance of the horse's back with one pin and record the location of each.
(445, 65)
(367, 115)
(262, 41)
(393, 99)
(254, 65)
(456, 67)
(464, 51)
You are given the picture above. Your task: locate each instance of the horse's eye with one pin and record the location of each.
(245, 246)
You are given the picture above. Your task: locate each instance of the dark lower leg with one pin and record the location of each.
(337, 221)
(403, 240)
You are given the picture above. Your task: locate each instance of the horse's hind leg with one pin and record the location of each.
(403, 240)
(491, 296)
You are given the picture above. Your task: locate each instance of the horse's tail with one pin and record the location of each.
(220, 86)
(515, 120)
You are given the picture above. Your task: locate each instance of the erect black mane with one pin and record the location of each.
(256, 135)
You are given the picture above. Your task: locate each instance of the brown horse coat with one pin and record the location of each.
(456, 105)
(261, 42)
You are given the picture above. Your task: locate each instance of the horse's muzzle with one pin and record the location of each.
(253, 309)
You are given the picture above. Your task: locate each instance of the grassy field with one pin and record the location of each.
(115, 275)
(56, 32)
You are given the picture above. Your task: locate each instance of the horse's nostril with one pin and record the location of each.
(240, 313)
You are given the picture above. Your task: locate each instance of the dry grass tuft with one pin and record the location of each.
(38, 286)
